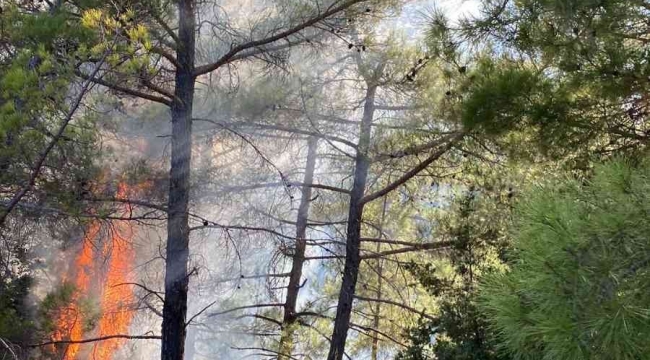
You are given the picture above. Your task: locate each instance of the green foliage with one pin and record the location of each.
(597, 45)
(499, 96)
(504, 97)
(43, 49)
(459, 328)
(580, 277)
(60, 297)
(15, 324)
(565, 75)
(420, 347)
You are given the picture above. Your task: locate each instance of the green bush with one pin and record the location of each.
(579, 282)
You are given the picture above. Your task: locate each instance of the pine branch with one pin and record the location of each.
(36, 169)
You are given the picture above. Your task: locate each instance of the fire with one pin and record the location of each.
(101, 269)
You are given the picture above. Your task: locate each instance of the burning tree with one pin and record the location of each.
(98, 300)
(151, 61)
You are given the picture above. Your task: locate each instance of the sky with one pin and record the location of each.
(413, 18)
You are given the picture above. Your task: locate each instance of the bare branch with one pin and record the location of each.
(9, 348)
(414, 171)
(414, 150)
(393, 242)
(102, 338)
(244, 308)
(260, 276)
(212, 225)
(416, 247)
(265, 350)
(394, 303)
(367, 328)
(124, 89)
(288, 183)
(224, 124)
(430, 246)
(156, 293)
(205, 308)
(230, 56)
(162, 52)
(261, 317)
(166, 27)
(396, 107)
(152, 308)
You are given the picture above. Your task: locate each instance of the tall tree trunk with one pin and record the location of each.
(177, 254)
(288, 323)
(353, 240)
(377, 316)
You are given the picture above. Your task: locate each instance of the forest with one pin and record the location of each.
(324, 179)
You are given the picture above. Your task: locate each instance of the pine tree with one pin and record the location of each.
(577, 287)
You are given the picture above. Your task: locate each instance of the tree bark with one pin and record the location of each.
(177, 252)
(353, 241)
(293, 289)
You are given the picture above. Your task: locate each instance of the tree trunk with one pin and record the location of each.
(288, 323)
(177, 253)
(353, 241)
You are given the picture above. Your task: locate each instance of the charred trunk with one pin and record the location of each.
(293, 289)
(177, 252)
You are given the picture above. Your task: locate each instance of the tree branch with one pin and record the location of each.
(429, 246)
(162, 52)
(156, 293)
(396, 107)
(261, 317)
(123, 89)
(244, 308)
(260, 276)
(413, 150)
(229, 57)
(224, 124)
(288, 183)
(416, 170)
(11, 351)
(394, 303)
(265, 350)
(367, 328)
(166, 27)
(36, 169)
(415, 247)
(102, 338)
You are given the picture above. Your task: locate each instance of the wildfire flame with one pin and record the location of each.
(102, 272)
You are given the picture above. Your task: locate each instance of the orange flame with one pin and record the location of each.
(107, 271)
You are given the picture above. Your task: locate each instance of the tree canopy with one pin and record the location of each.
(330, 179)
(577, 283)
